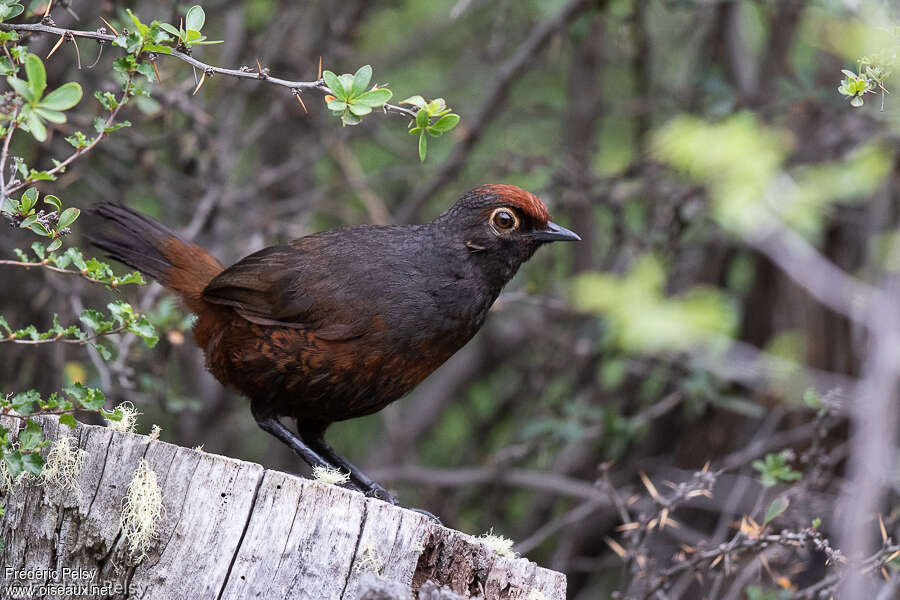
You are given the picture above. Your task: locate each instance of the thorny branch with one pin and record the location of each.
(296, 87)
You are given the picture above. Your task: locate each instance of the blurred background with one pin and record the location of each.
(729, 198)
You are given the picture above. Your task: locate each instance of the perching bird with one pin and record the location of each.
(341, 323)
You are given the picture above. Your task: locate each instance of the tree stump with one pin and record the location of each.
(233, 530)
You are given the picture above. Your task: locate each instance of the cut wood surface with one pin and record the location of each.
(234, 530)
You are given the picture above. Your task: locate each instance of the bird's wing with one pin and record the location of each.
(296, 285)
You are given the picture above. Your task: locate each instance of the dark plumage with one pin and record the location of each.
(338, 324)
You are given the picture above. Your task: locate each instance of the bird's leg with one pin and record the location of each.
(314, 437)
(269, 423)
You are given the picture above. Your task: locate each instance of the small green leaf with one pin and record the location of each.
(67, 419)
(446, 123)
(68, 217)
(422, 118)
(28, 200)
(334, 84)
(55, 245)
(36, 126)
(361, 80)
(778, 506)
(856, 101)
(14, 464)
(337, 105)
(170, 29)
(38, 249)
(374, 98)
(360, 109)
(38, 228)
(53, 201)
(21, 88)
(54, 116)
(423, 146)
(33, 463)
(37, 75)
(348, 118)
(89, 398)
(195, 18)
(417, 101)
(31, 436)
(64, 97)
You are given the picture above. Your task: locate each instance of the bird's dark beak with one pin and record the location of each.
(555, 233)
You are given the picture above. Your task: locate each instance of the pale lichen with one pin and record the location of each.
(142, 510)
(64, 463)
(499, 544)
(330, 475)
(128, 418)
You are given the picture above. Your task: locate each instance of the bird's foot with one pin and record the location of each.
(377, 491)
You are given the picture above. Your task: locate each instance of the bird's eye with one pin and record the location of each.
(504, 220)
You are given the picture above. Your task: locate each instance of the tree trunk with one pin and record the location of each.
(234, 530)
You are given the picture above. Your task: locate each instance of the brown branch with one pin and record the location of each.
(296, 87)
(491, 106)
(49, 267)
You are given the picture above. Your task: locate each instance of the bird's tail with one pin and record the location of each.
(153, 249)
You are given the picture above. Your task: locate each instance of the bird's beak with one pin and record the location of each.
(555, 233)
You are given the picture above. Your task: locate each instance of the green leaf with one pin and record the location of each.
(64, 97)
(95, 320)
(360, 109)
(170, 29)
(337, 105)
(423, 146)
(14, 464)
(21, 88)
(53, 201)
(195, 18)
(856, 102)
(38, 228)
(38, 249)
(89, 398)
(5, 325)
(145, 330)
(374, 98)
(446, 123)
(348, 118)
(417, 101)
(54, 116)
(422, 118)
(778, 506)
(33, 463)
(24, 402)
(55, 245)
(67, 419)
(36, 126)
(361, 80)
(334, 84)
(28, 200)
(31, 436)
(68, 217)
(37, 75)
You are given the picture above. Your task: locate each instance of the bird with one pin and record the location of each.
(339, 324)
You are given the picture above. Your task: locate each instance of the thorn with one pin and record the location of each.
(111, 28)
(202, 79)
(258, 66)
(56, 45)
(300, 100)
(650, 487)
(883, 530)
(156, 70)
(319, 76)
(47, 11)
(77, 51)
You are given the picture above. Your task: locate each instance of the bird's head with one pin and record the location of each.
(503, 225)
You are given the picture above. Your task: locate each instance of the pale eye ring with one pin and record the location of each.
(504, 219)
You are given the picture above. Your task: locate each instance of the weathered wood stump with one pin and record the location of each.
(234, 530)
